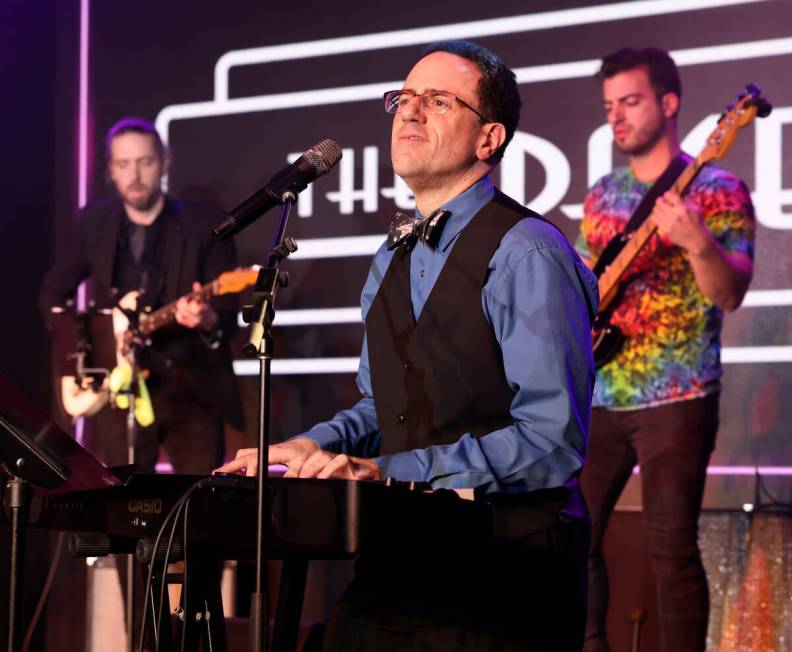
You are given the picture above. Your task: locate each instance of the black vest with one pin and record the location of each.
(441, 377)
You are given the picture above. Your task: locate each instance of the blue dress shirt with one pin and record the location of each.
(539, 298)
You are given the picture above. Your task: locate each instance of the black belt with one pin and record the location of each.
(520, 515)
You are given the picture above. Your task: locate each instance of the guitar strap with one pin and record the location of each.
(644, 209)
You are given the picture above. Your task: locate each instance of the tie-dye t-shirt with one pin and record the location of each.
(672, 350)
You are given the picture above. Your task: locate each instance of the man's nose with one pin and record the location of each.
(616, 114)
(413, 109)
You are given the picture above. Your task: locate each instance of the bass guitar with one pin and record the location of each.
(607, 338)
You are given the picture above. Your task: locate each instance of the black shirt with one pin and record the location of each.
(140, 259)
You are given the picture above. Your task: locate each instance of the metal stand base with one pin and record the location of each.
(19, 509)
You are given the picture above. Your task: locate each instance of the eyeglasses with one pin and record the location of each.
(437, 102)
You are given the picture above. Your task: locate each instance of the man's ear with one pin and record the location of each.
(670, 104)
(493, 135)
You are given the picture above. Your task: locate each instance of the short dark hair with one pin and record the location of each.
(663, 73)
(497, 88)
(135, 126)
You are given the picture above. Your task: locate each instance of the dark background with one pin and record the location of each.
(146, 55)
(157, 56)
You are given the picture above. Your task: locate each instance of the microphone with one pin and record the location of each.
(294, 178)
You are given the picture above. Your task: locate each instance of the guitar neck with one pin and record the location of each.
(610, 278)
(167, 313)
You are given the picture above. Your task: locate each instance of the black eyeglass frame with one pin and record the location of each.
(426, 94)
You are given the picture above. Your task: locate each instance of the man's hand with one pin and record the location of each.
(245, 463)
(682, 224)
(322, 464)
(193, 312)
(304, 459)
(723, 277)
(292, 453)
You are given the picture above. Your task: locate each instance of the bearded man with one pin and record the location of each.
(656, 402)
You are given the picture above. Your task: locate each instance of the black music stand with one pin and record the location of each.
(36, 454)
(25, 463)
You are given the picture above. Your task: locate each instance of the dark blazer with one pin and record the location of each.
(191, 254)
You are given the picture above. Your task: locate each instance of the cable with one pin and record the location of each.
(149, 579)
(173, 512)
(774, 502)
(184, 575)
(44, 591)
(166, 560)
(173, 516)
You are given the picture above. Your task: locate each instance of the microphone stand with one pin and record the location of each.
(19, 495)
(135, 343)
(131, 433)
(260, 317)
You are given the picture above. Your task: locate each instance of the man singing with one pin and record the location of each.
(476, 372)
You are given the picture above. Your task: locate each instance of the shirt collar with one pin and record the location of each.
(463, 208)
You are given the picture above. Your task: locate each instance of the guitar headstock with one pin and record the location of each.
(739, 114)
(236, 280)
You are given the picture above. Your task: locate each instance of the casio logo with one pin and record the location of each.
(152, 506)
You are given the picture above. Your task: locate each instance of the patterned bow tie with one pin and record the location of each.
(406, 230)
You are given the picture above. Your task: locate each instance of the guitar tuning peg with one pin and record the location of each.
(764, 109)
(730, 106)
(741, 95)
(753, 89)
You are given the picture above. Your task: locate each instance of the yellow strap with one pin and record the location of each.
(120, 380)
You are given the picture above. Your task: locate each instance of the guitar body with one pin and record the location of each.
(90, 396)
(87, 397)
(606, 340)
(83, 399)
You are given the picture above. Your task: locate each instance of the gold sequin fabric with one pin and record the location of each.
(748, 559)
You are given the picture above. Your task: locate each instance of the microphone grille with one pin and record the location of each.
(323, 156)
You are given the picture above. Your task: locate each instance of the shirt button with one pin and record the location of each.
(408, 365)
(400, 418)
